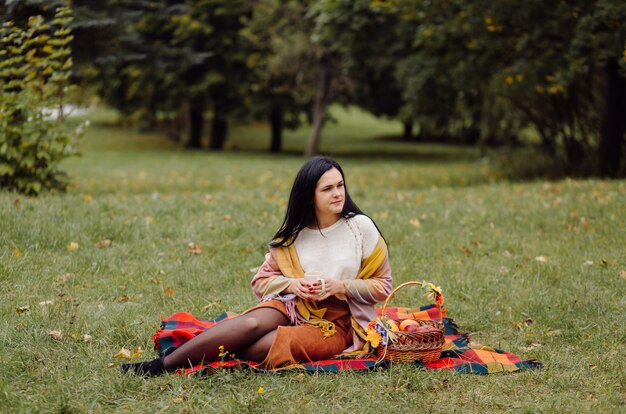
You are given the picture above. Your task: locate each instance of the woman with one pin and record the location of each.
(303, 319)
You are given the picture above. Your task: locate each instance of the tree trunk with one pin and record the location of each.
(219, 130)
(322, 99)
(319, 111)
(196, 121)
(407, 135)
(175, 126)
(613, 124)
(276, 122)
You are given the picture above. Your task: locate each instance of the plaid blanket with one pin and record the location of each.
(458, 353)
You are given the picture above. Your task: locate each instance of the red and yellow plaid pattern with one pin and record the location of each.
(458, 353)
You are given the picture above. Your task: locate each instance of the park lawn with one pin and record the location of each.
(504, 253)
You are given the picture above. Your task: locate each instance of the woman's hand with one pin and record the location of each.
(316, 291)
(332, 287)
(304, 289)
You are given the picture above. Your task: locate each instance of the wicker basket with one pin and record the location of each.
(412, 346)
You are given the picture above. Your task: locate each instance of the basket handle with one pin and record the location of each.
(382, 311)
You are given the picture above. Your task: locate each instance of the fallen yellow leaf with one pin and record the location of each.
(123, 353)
(415, 223)
(136, 352)
(227, 217)
(87, 197)
(520, 325)
(541, 259)
(73, 246)
(17, 253)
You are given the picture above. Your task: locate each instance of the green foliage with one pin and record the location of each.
(35, 67)
(491, 69)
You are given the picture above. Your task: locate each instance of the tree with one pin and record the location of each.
(495, 67)
(281, 65)
(35, 67)
(166, 55)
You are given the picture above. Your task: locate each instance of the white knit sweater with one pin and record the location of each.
(337, 251)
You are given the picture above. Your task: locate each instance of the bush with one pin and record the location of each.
(35, 66)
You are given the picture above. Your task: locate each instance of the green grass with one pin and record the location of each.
(478, 237)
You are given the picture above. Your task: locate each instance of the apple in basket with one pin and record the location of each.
(394, 325)
(426, 328)
(409, 325)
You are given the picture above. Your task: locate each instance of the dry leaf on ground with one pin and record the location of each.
(123, 353)
(22, 309)
(169, 291)
(56, 335)
(520, 325)
(541, 259)
(584, 223)
(194, 248)
(211, 306)
(136, 352)
(530, 347)
(103, 244)
(73, 246)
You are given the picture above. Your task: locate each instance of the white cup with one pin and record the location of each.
(314, 276)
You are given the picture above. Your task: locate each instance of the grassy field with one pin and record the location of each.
(503, 252)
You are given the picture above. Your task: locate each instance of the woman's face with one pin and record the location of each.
(330, 194)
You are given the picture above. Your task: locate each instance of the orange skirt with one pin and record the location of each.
(304, 343)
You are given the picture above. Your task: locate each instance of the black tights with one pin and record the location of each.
(247, 336)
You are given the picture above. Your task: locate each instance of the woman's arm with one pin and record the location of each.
(269, 280)
(373, 289)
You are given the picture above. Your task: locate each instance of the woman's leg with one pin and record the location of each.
(234, 334)
(258, 350)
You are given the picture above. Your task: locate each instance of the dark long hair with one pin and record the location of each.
(301, 207)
